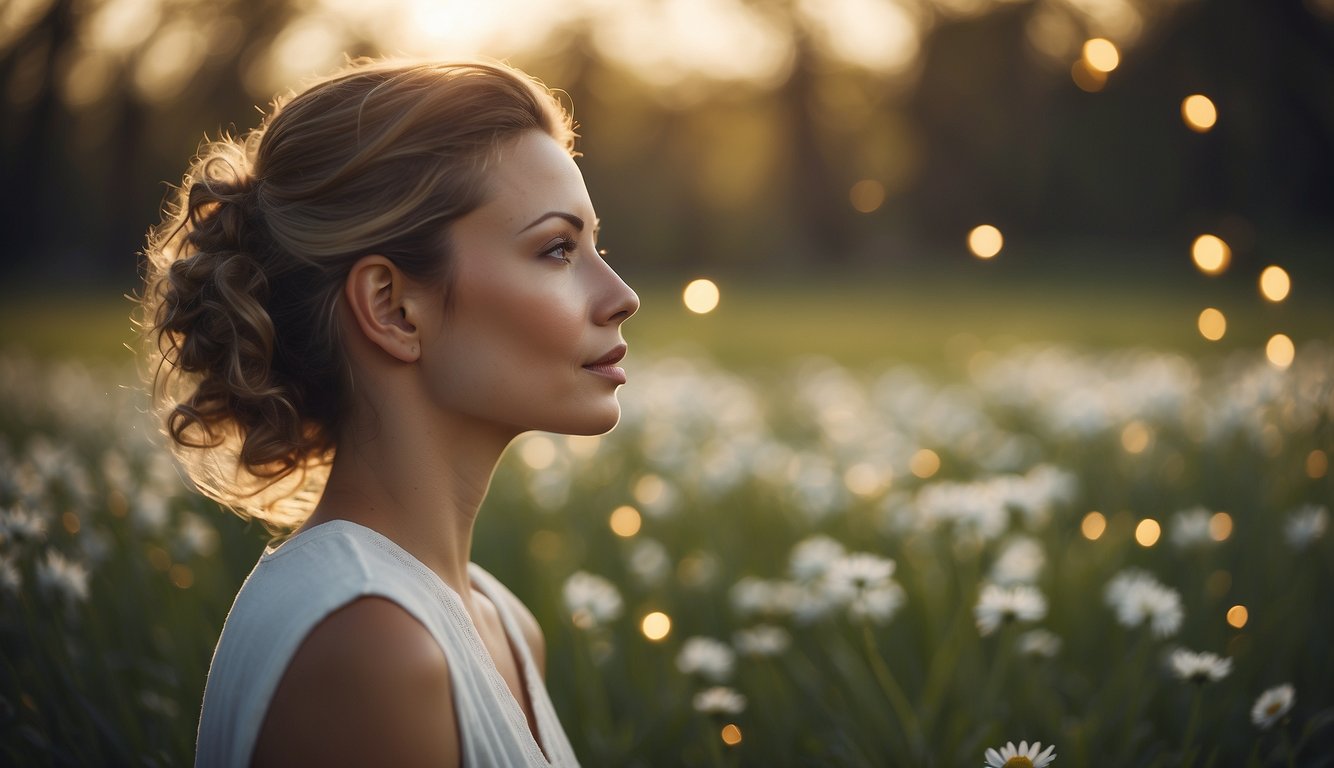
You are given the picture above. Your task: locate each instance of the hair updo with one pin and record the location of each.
(245, 270)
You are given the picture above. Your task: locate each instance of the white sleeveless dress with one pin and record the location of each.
(297, 584)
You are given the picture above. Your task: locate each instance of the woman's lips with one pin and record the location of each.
(606, 365)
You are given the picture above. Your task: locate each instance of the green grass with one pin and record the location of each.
(757, 452)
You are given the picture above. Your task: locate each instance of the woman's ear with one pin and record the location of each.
(376, 293)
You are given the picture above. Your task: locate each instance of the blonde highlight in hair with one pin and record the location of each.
(245, 270)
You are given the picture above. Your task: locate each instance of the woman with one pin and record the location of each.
(363, 303)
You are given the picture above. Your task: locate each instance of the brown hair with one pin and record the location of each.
(246, 268)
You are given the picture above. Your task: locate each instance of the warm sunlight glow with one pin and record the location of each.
(656, 626)
(1211, 254)
(625, 521)
(1220, 526)
(538, 452)
(1280, 351)
(985, 241)
(1237, 616)
(864, 479)
(924, 463)
(1275, 283)
(1135, 437)
(1317, 464)
(1147, 532)
(701, 296)
(649, 489)
(1101, 55)
(1199, 113)
(583, 446)
(867, 195)
(731, 735)
(1086, 77)
(1093, 526)
(1213, 325)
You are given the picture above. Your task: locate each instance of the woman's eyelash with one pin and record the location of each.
(561, 249)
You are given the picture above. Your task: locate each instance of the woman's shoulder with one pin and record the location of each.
(369, 685)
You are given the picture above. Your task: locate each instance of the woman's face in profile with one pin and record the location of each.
(531, 330)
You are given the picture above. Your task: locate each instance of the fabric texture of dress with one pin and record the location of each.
(296, 585)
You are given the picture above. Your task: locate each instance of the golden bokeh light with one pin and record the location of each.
(181, 576)
(1275, 283)
(1280, 351)
(1086, 77)
(70, 522)
(1199, 112)
(1101, 55)
(701, 296)
(656, 626)
(1136, 436)
(867, 195)
(1220, 526)
(625, 521)
(731, 735)
(985, 241)
(1093, 526)
(538, 452)
(1147, 532)
(864, 479)
(1211, 254)
(924, 463)
(1317, 464)
(1212, 323)
(1237, 616)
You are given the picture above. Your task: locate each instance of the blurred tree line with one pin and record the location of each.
(824, 159)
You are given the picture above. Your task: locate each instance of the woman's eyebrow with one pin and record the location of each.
(575, 221)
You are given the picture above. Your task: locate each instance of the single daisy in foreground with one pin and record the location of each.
(1022, 757)
(1200, 667)
(1272, 705)
(999, 605)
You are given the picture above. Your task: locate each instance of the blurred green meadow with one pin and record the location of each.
(884, 523)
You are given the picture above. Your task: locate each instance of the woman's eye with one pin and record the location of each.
(561, 250)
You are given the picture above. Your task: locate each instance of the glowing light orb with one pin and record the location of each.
(538, 452)
(1086, 77)
(656, 626)
(1220, 526)
(1093, 526)
(924, 463)
(1101, 55)
(1317, 464)
(867, 195)
(731, 735)
(1147, 532)
(1199, 113)
(1280, 351)
(1211, 254)
(625, 521)
(985, 241)
(1237, 616)
(1275, 283)
(1212, 323)
(1135, 437)
(701, 296)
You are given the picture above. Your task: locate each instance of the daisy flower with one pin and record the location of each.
(1190, 528)
(591, 600)
(1272, 705)
(1137, 598)
(761, 640)
(861, 583)
(1040, 642)
(1023, 756)
(706, 657)
(1019, 562)
(719, 700)
(1199, 667)
(1305, 525)
(998, 605)
(64, 578)
(812, 556)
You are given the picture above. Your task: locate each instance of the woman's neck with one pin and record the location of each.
(416, 477)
